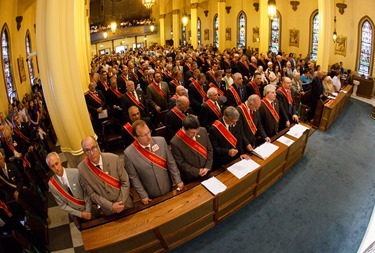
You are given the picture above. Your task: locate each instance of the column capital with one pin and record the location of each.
(162, 16)
(222, 1)
(194, 5)
(177, 11)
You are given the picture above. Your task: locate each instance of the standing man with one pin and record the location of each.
(192, 149)
(174, 117)
(104, 178)
(211, 109)
(284, 96)
(66, 189)
(150, 164)
(236, 94)
(158, 91)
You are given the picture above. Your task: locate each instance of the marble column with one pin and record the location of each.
(264, 27)
(222, 23)
(176, 21)
(194, 24)
(326, 16)
(162, 29)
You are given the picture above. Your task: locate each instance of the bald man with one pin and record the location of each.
(174, 117)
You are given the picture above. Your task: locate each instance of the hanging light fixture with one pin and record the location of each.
(272, 9)
(105, 35)
(152, 28)
(113, 26)
(185, 20)
(148, 3)
(334, 30)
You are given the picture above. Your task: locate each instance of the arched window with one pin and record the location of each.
(7, 63)
(241, 30)
(314, 31)
(183, 29)
(216, 30)
(30, 61)
(275, 34)
(365, 52)
(199, 34)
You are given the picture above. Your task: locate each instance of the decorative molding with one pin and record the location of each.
(341, 7)
(19, 21)
(177, 11)
(256, 6)
(162, 16)
(194, 6)
(294, 4)
(227, 8)
(222, 1)
(206, 13)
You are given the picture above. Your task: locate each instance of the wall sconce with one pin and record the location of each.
(227, 8)
(272, 9)
(206, 13)
(113, 26)
(294, 4)
(152, 28)
(19, 21)
(105, 35)
(341, 7)
(185, 20)
(334, 30)
(256, 6)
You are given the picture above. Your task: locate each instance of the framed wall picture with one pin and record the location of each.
(21, 69)
(228, 33)
(293, 38)
(340, 45)
(206, 34)
(256, 34)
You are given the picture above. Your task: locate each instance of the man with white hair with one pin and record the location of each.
(211, 109)
(236, 94)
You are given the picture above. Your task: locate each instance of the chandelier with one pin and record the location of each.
(272, 9)
(148, 3)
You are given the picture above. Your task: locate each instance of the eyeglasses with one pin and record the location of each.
(92, 150)
(144, 135)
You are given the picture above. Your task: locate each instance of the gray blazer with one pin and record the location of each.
(77, 190)
(100, 192)
(148, 179)
(157, 98)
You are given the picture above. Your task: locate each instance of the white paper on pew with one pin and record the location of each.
(368, 238)
(297, 130)
(331, 97)
(243, 167)
(214, 185)
(265, 150)
(285, 140)
(344, 91)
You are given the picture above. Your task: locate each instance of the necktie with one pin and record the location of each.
(148, 148)
(252, 114)
(135, 95)
(65, 184)
(241, 94)
(98, 166)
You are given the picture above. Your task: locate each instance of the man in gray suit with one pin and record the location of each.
(104, 178)
(66, 189)
(192, 149)
(150, 164)
(159, 92)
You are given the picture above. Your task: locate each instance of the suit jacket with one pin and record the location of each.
(289, 109)
(92, 105)
(13, 182)
(157, 98)
(270, 125)
(196, 98)
(121, 83)
(316, 89)
(101, 193)
(112, 98)
(231, 101)
(78, 192)
(148, 179)
(147, 102)
(173, 123)
(208, 116)
(222, 146)
(188, 160)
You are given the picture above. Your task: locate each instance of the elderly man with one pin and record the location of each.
(113, 96)
(254, 87)
(177, 80)
(284, 96)
(104, 178)
(159, 92)
(250, 121)
(197, 93)
(174, 117)
(192, 149)
(236, 94)
(271, 111)
(211, 109)
(180, 91)
(66, 189)
(150, 164)
(97, 107)
(227, 138)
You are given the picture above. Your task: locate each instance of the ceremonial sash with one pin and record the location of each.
(20, 134)
(235, 95)
(108, 179)
(225, 133)
(124, 78)
(159, 90)
(135, 101)
(189, 66)
(175, 96)
(253, 65)
(196, 146)
(175, 82)
(199, 89)
(5, 208)
(95, 97)
(255, 87)
(128, 128)
(116, 92)
(178, 113)
(152, 157)
(212, 85)
(245, 64)
(271, 109)
(104, 84)
(212, 74)
(168, 74)
(8, 183)
(249, 120)
(141, 72)
(134, 74)
(92, 79)
(286, 94)
(63, 192)
(214, 108)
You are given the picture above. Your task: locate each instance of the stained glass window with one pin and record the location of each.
(199, 34)
(366, 38)
(216, 31)
(315, 36)
(7, 66)
(241, 30)
(30, 61)
(275, 34)
(183, 29)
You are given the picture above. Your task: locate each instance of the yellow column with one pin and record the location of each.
(62, 56)
(221, 16)
(194, 24)
(326, 9)
(162, 29)
(176, 21)
(264, 26)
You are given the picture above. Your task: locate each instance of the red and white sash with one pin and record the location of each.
(63, 192)
(245, 64)
(116, 92)
(249, 119)
(199, 89)
(195, 145)
(212, 74)
(225, 133)
(95, 97)
(20, 134)
(212, 85)
(235, 95)
(255, 87)
(214, 108)
(141, 72)
(124, 77)
(175, 82)
(128, 128)
(108, 179)
(271, 109)
(135, 101)
(286, 94)
(178, 113)
(134, 74)
(159, 90)
(104, 84)
(152, 157)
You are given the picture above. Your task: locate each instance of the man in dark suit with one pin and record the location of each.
(192, 149)
(243, 67)
(174, 117)
(271, 111)
(113, 97)
(158, 91)
(197, 93)
(250, 121)
(66, 189)
(96, 104)
(150, 164)
(102, 83)
(284, 96)
(212, 109)
(236, 94)
(255, 86)
(227, 138)
(123, 79)
(317, 92)
(104, 178)
(11, 180)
